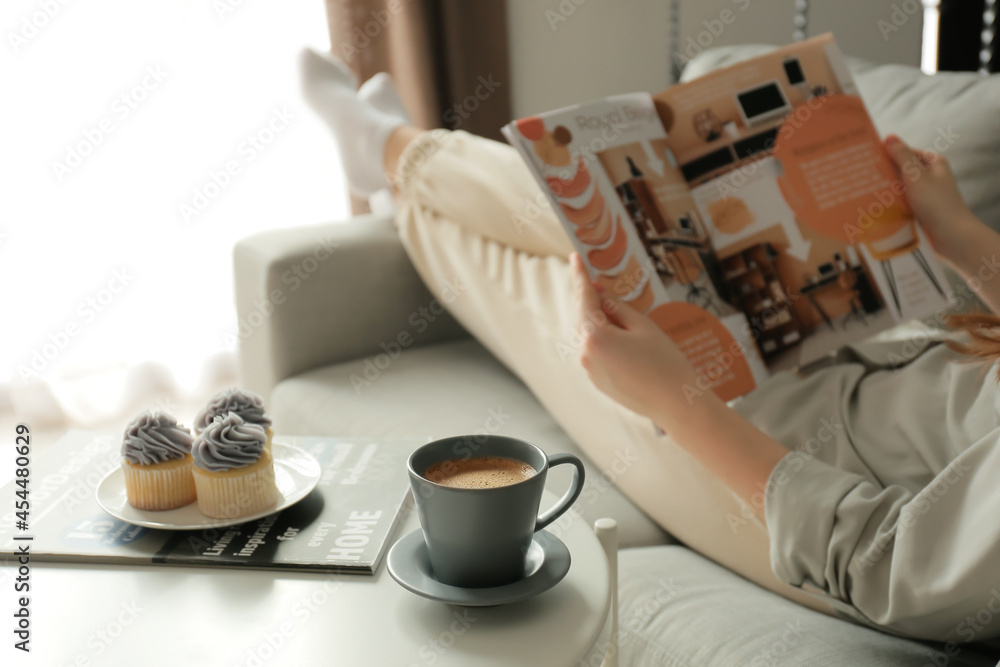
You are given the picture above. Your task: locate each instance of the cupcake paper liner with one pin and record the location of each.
(230, 495)
(160, 486)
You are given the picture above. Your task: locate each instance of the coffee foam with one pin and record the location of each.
(484, 472)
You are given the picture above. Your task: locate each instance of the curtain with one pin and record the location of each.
(448, 57)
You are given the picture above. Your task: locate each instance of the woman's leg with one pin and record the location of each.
(488, 173)
(476, 227)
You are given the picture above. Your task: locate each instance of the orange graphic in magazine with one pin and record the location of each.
(839, 181)
(605, 259)
(624, 282)
(587, 213)
(716, 356)
(570, 187)
(598, 232)
(644, 300)
(731, 215)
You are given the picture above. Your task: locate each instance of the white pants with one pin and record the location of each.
(474, 221)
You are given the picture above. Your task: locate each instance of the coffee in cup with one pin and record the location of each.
(481, 472)
(477, 498)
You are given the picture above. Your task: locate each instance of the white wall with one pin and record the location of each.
(855, 24)
(858, 32)
(568, 51)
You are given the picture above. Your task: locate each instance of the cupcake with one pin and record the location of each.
(156, 460)
(248, 405)
(233, 472)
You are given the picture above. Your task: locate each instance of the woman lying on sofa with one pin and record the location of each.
(863, 487)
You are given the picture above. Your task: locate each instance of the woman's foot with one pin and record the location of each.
(380, 91)
(360, 127)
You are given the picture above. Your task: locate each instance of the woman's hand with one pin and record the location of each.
(627, 356)
(933, 196)
(958, 236)
(631, 360)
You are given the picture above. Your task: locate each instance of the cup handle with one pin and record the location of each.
(556, 511)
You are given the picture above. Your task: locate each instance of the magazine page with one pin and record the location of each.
(813, 239)
(604, 167)
(344, 525)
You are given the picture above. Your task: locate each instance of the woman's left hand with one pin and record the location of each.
(627, 356)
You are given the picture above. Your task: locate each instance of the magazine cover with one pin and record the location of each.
(759, 201)
(344, 525)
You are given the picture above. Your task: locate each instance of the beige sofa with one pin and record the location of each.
(321, 312)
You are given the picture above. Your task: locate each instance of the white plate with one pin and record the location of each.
(296, 473)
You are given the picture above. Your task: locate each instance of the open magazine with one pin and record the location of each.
(752, 213)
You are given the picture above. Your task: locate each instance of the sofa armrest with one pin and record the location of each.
(311, 296)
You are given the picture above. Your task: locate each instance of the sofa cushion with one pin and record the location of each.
(440, 390)
(958, 110)
(679, 609)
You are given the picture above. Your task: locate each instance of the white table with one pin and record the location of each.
(173, 616)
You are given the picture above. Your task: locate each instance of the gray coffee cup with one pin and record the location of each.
(477, 538)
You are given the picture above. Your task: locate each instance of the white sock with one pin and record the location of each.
(360, 128)
(381, 92)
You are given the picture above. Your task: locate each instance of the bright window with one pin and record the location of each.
(141, 140)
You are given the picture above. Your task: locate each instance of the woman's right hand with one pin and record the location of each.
(932, 194)
(628, 357)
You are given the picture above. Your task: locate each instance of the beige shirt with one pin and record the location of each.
(889, 503)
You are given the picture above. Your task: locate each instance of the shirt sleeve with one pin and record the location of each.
(920, 563)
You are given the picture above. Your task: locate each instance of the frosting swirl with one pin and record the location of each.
(246, 404)
(154, 437)
(228, 442)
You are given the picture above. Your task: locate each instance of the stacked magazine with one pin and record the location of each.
(752, 213)
(362, 480)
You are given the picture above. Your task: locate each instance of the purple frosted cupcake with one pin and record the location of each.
(248, 405)
(233, 470)
(156, 461)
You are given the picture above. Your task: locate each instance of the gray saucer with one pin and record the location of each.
(547, 563)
